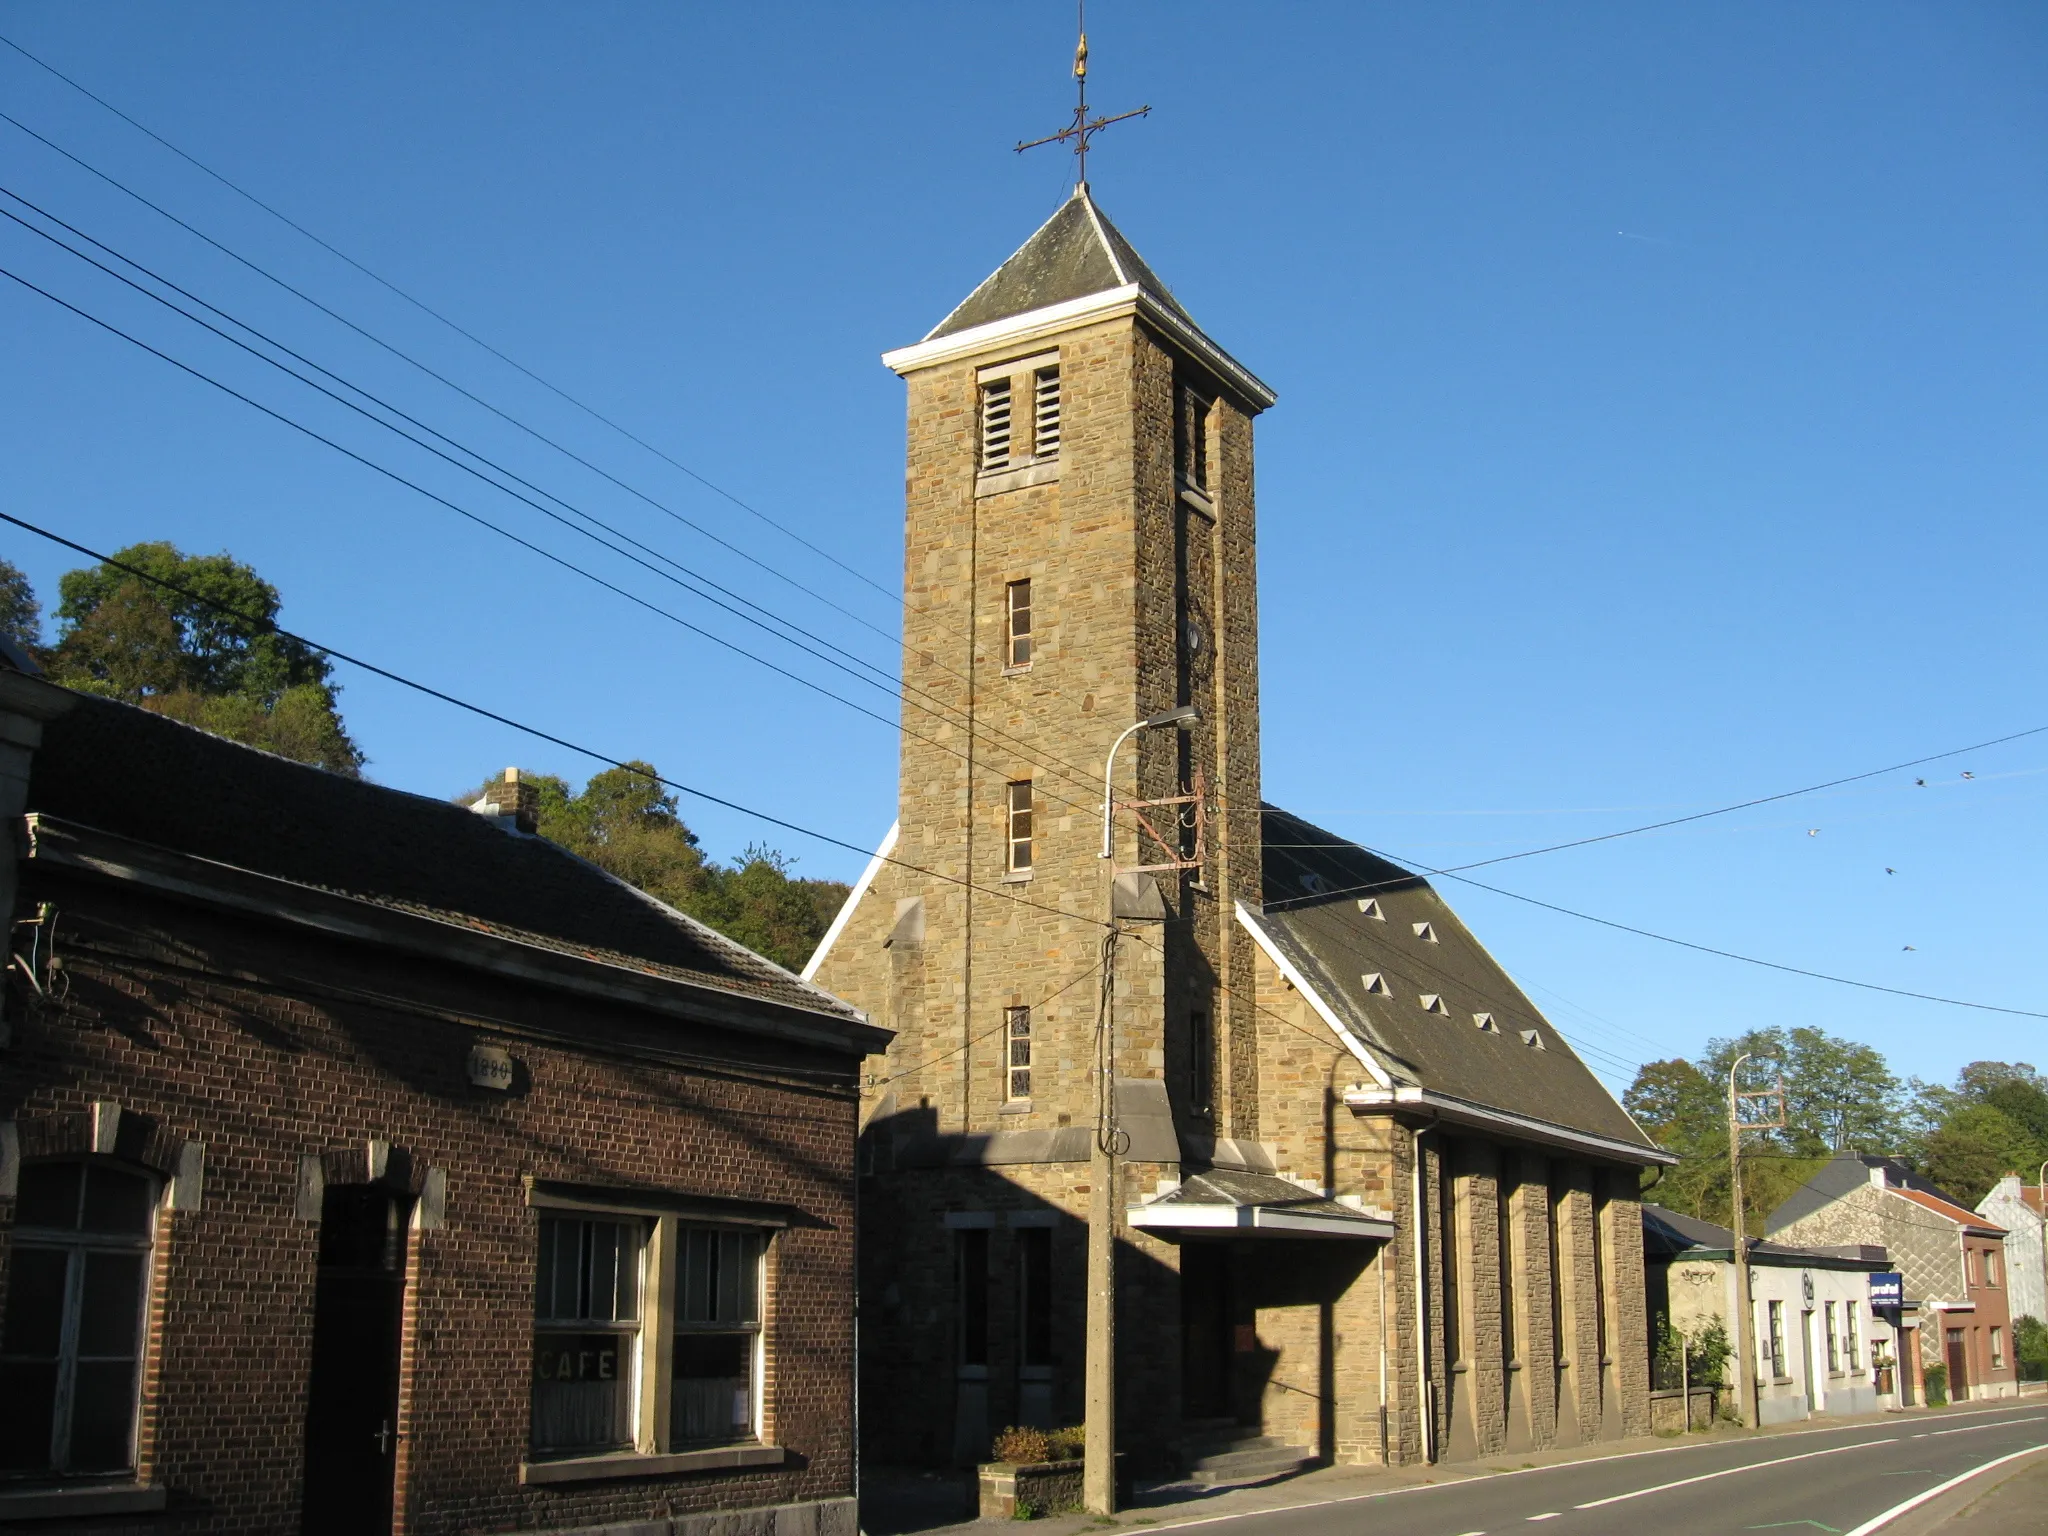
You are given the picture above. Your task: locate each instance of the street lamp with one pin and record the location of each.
(1186, 714)
(1098, 1468)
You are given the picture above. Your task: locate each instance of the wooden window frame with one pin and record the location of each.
(1016, 1044)
(1017, 638)
(78, 1244)
(1019, 807)
(657, 1447)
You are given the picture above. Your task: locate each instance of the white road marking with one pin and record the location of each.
(1454, 1481)
(1551, 1516)
(1878, 1522)
(1751, 1466)
(1970, 1428)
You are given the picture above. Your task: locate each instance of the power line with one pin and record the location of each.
(1708, 949)
(435, 314)
(438, 377)
(888, 684)
(534, 731)
(1076, 775)
(476, 517)
(1676, 821)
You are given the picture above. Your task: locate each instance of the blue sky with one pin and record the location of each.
(1660, 423)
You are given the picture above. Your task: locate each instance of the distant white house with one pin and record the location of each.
(1820, 1348)
(2015, 1205)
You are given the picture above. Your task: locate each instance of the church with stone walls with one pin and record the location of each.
(1371, 1207)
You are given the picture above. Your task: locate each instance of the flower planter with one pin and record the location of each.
(1040, 1486)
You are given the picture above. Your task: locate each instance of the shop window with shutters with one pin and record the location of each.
(714, 1382)
(1017, 857)
(586, 1347)
(1017, 1057)
(644, 1321)
(1017, 612)
(72, 1332)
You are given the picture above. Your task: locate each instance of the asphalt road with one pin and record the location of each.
(1830, 1480)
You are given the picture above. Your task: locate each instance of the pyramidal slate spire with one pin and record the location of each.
(1076, 264)
(1074, 254)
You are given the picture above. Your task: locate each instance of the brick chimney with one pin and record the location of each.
(514, 797)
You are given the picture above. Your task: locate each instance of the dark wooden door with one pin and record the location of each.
(1205, 1337)
(352, 1398)
(1958, 1367)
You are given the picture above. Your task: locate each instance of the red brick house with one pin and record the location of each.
(370, 1164)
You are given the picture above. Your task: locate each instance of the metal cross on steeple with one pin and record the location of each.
(1081, 130)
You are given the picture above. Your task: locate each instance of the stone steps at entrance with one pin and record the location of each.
(1235, 1455)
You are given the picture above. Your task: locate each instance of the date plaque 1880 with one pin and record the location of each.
(490, 1067)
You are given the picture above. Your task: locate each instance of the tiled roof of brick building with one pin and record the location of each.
(127, 771)
(1382, 948)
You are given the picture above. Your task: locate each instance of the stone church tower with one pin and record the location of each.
(1080, 558)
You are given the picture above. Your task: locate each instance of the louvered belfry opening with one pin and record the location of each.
(996, 434)
(1045, 439)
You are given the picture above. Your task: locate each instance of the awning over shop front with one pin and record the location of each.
(1225, 1203)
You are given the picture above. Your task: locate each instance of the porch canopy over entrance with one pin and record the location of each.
(1222, 1202)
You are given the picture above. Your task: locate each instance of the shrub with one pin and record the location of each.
(1021, 1443)
(1068, 1444)
(1936, 1377)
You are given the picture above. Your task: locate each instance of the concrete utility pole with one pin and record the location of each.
(1745, 1352)
(1746, 1371)
(1098, 1468)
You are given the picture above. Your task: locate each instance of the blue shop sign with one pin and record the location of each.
(1887, 1290)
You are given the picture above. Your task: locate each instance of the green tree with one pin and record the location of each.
(213, 658)
(1839, 1094)
(626, 823)
(1972, 1149)
(21, 616)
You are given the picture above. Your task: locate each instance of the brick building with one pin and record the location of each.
(1952, 1258)
(369, 1164)
(1372, 1204)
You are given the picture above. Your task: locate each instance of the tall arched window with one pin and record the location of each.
(71, 1337)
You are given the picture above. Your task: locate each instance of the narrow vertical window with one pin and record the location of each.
(996, 435)
(713, 1394)
(1997, 1348)
(971, 1285)
(1834, 1337)
(1509, 1347)
(1017, 1056)
(1201, 1062)
(1776, 1339)
(1601, 1239)
(1034, 1294)
(1020, 827)
(1191, 434)
(586, 1350)
(71, 1338)
(1448, 1184)
(1018, 608)
(1045, 420)
(1852, 1336)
